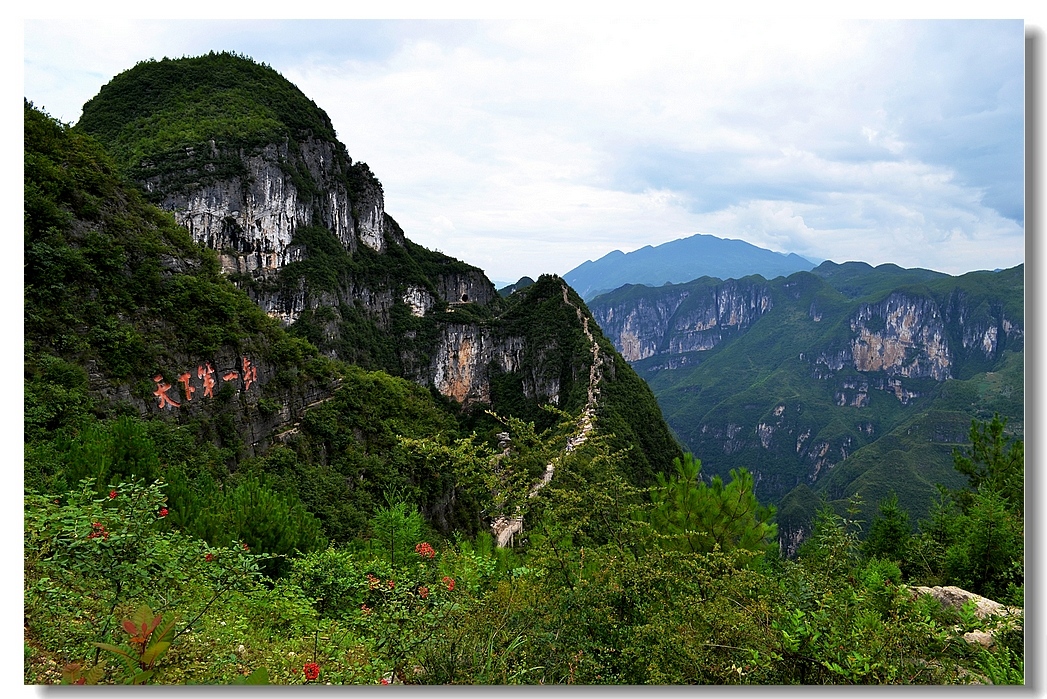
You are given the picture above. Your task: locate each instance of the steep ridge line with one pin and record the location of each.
(505, 528)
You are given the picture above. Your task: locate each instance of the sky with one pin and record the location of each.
(530, 146)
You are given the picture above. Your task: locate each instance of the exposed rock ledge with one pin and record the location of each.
(997, 616)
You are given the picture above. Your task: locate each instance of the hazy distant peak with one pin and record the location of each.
(682, 260)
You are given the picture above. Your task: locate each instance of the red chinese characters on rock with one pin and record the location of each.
(207, 377)
(250, 373)
(162, 387)
(187, 388)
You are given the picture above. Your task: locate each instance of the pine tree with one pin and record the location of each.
(992, 461)
(889, 533)
(695, 517)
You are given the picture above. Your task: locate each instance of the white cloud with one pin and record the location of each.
(527, 147)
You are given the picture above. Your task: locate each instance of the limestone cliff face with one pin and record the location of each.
(803, 375)
(460, 367)
(679, 319)
(288, 303)
(982, 329)
(901, 336)
(467, 355)
(250, 218)
(465, 287)
(910, 337)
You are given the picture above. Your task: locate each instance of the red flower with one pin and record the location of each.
(163, 512)
(246, 547)
(112, 494)
(311, 671)
(424, 550)
(365, 609)
(392, 584)
(209, 557)
(449, 582)
(384, 681)
(423, 591)
(294, 670)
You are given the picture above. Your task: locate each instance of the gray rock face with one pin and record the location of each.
(993, 616)
(855, 351)
(377, 308)
(465, 287)
(676, 320)
(250, 219)
(208, 386)
(466, 355)
(901, 336)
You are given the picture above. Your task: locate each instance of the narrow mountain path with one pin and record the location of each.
(505, 528)
(295, 426)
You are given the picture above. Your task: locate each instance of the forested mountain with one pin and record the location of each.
(252, 168)
(510, 289)
(681, 261)
(844, 380)
(268, 439)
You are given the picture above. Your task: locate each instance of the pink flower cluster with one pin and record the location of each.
(425, 550)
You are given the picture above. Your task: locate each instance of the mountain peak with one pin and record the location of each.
(680, 261)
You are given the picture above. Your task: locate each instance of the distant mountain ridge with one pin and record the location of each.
(509, 289)
(844, 380)
(680, 261)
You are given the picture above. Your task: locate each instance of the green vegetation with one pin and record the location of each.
(331, 525)
(779, 395)
(190, 120)
(522, 284)
(700, 518)
(601, 592)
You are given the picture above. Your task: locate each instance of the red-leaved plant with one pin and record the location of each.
(147, 644)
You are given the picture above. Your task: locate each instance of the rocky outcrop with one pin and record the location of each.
(901, 336)
(419, 300)
(982, 329)
(674, 320)
(286, 303)
(250, 217)
(789, 540)
(462, 363)
(465, 287)
(222, 384)
(993, 616)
